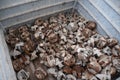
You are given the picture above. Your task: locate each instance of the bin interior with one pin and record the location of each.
(79, 7)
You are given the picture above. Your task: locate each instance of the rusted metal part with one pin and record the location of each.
(67, 45)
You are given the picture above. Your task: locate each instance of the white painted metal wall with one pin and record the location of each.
(22, 11)
(6, 69)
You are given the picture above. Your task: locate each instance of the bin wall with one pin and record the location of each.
(6, 68)
(19, 11)
(104, 13)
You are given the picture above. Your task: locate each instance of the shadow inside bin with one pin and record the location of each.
(117, 75)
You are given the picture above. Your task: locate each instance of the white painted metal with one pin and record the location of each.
(35, 14)
(6, 68)
(115, 4)
(29, 7)
(4, 4)
(31, 10)
(112, 16)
